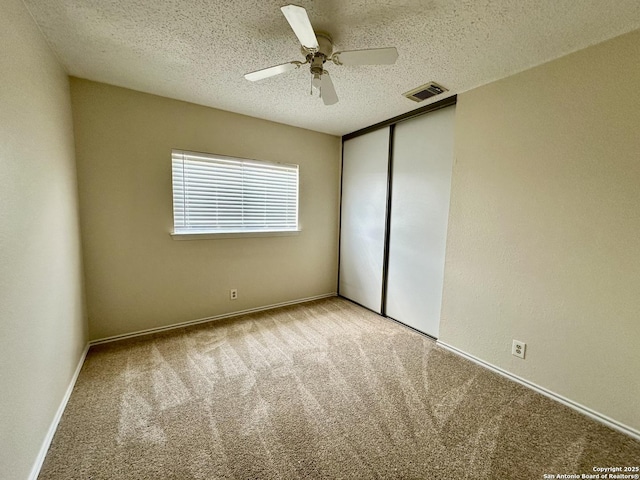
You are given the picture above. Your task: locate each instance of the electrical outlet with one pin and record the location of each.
(518, 348)
(233, 294)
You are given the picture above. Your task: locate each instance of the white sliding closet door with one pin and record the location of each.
(365, 166)
(422, 163)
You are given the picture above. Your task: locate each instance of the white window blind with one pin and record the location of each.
(218, 194)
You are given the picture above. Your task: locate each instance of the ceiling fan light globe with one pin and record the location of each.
(316, 82)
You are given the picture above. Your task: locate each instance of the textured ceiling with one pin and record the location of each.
(198, 50)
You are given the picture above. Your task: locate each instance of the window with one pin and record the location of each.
(218, 194)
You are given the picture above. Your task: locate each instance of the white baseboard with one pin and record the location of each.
(44, 448)
(148, 331)
(599, 417)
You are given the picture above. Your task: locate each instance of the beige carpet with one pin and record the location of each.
(320, 390)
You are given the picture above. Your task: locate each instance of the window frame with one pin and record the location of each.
(184, 233)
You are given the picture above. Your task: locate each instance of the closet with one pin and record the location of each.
(396, 186)
(365, 169)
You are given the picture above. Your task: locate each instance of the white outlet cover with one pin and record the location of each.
(518, 348)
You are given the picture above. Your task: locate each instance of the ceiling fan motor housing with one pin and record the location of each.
(324, 52)
(316, 64)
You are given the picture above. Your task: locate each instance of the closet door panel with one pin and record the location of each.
(364, 204)
(422, 164)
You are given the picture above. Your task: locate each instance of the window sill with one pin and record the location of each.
(220, 236)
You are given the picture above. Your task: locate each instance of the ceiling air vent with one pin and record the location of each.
(425, 91)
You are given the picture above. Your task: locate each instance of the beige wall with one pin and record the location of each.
(137, 276)
(544, 231)
(42, 324)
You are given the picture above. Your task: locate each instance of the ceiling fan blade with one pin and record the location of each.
(271, 71)
(299, 21)
(328, 91)
(370, 56)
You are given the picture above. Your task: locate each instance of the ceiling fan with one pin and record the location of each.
(317, 48)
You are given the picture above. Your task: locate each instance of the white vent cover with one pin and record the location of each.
(425, 91)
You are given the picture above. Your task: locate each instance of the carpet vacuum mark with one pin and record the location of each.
(324, 389)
